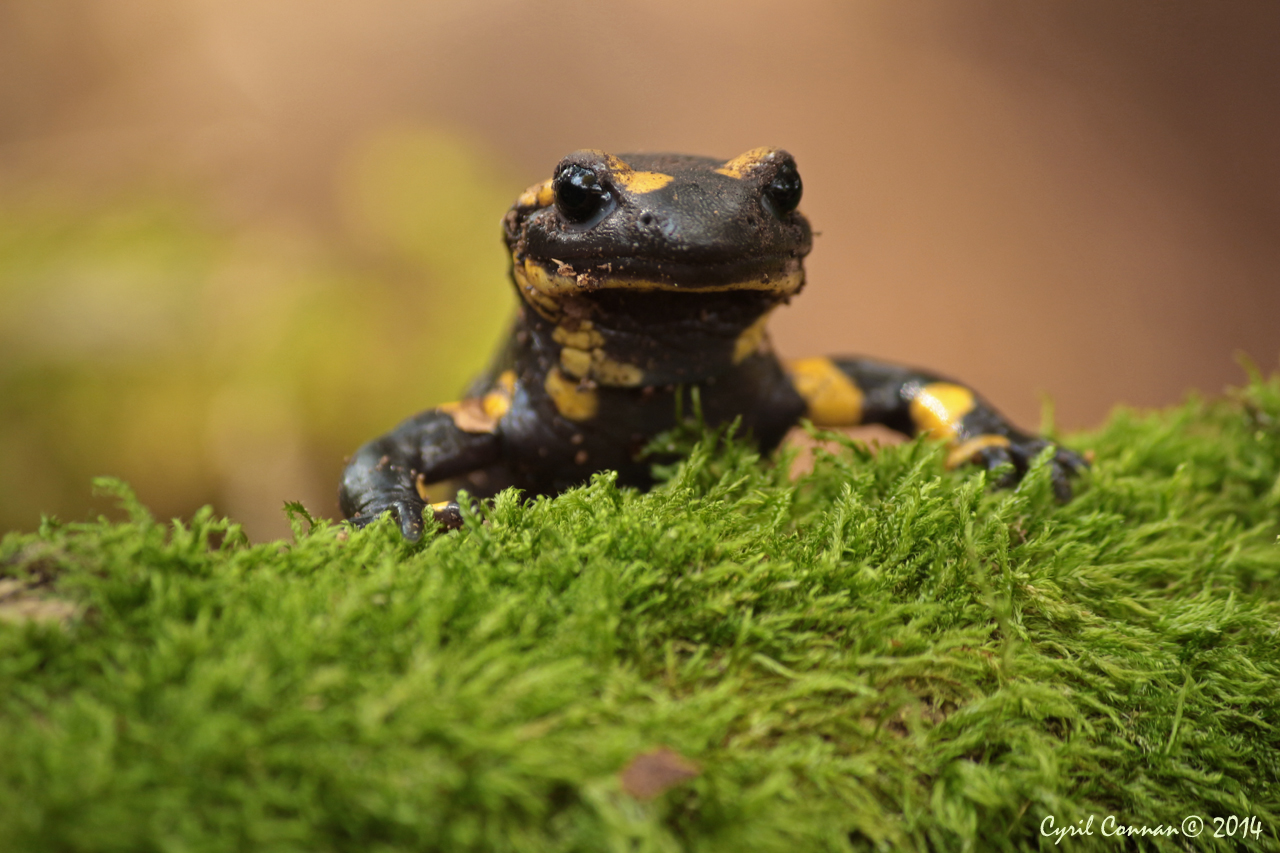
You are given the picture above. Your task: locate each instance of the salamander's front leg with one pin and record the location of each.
(852, 391)
(387, 473)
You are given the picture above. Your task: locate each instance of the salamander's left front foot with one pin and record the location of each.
(1019, 451)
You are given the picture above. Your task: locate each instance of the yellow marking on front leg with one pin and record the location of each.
(482, 414)
(470, 415)
(832, 397)
(743, 163)
(966, 450)
(939, 407)
(497, 402)
(571, 399)
(750, 339)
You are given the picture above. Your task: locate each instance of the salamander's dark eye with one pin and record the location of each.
(784, 191)
(579, 194)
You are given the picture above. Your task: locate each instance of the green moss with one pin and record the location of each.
(881, 655)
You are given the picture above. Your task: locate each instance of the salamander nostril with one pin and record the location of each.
(646, 218)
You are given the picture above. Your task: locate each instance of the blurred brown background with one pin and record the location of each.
(239, 238)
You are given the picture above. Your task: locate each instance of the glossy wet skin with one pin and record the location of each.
(668, 258)
(641, 276)
(664, 221)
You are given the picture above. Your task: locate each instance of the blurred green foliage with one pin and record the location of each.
(236, 364)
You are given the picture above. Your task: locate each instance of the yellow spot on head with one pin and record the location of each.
(633, 181)
(572, 401)
(642, 182)
(939, 408)
(538, 195)
(743, 163)
(749, 341)
(833, 398)
(966, 450)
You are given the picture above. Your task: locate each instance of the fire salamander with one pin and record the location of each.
(639, 275)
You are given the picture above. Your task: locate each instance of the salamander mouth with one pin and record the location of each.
(782, 275)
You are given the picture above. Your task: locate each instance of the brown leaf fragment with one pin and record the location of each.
(651, 773)
(20, 602)
(469, 415)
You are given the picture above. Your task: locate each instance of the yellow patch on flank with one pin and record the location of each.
(965, 451)
(833, 398)
(939, 407)
(538, 195)
(572, 401)
(740, 165)
(749, 341)
(441, 506)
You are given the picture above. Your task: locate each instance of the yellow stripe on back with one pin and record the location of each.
(832, 397)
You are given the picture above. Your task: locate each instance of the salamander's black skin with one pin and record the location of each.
(639, 275)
